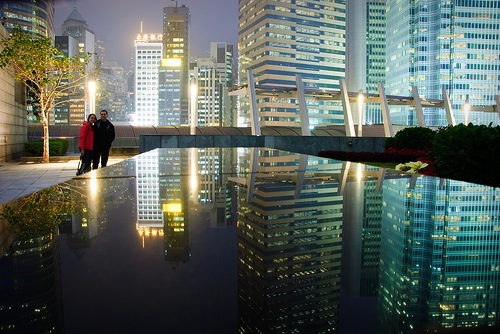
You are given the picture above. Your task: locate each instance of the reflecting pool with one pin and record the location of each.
(251, 240)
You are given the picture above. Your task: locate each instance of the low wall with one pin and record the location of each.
(298, 144)
(13, 120)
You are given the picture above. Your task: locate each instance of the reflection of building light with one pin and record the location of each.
(172, 207)
(148, 231)
(171, 62)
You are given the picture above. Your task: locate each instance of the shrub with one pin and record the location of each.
(470, 153)
(414, 138)
(57, 147)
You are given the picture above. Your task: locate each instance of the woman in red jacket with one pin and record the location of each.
(86, 144)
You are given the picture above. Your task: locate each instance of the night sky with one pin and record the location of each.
(119, 21)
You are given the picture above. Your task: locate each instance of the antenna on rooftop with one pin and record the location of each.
(141, 27)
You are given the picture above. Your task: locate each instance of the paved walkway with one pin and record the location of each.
(18, 179)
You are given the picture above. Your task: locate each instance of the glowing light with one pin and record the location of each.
(171, 62)
(91, 97)
(466, 112)
(194, 105)
(360, 113)
(172, 207)
(360, 173)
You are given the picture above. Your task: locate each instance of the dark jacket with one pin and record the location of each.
(103, 137)
(86, 140)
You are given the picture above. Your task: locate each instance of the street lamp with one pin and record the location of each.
(466, 112)
(91, 97)
(360, 113)
(194, 105)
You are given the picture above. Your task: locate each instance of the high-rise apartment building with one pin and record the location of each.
(278, 39)
(35, 17)
(365, 62)
(148, 53)
(443, 44)
(174, 80)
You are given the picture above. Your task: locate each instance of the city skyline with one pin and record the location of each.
(212, 21)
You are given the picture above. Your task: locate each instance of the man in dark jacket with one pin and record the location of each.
(104, 134)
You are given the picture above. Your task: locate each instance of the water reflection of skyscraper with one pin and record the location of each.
(289, 247)
(440, 256)
(30, 287)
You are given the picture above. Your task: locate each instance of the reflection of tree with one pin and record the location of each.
(40, 212)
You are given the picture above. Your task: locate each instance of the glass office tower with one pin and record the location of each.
(444, 44)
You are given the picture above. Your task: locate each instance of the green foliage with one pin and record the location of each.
(57, 147)
(469, 153)
(45, 70)
(39, 213)
(414, 138)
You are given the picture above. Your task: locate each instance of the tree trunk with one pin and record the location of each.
(45, 123)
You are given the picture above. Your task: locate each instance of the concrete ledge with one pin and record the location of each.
(299, 144)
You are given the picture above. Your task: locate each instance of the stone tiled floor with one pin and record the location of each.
(19, 179)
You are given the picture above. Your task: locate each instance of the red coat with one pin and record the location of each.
(86, 137)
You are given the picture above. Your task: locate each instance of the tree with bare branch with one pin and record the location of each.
(45, 71)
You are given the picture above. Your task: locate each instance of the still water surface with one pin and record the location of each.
(255, 240)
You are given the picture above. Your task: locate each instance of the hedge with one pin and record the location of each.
(57, 147)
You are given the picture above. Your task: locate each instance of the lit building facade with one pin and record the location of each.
(35, 17)
(176, 26)
(60, 113)
(210, 92)
(148, 53)
(223, 53)
(443, 44)
(213, 77)
(279, 39)
(365, 63)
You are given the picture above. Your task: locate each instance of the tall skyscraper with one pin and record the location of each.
(223, 54)
(213, 76)
(365, 62)
(444, 44)
(60, 114)
(76, 27)
(35, 17)
(279, 39)
(175, 71)
(148, 53)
